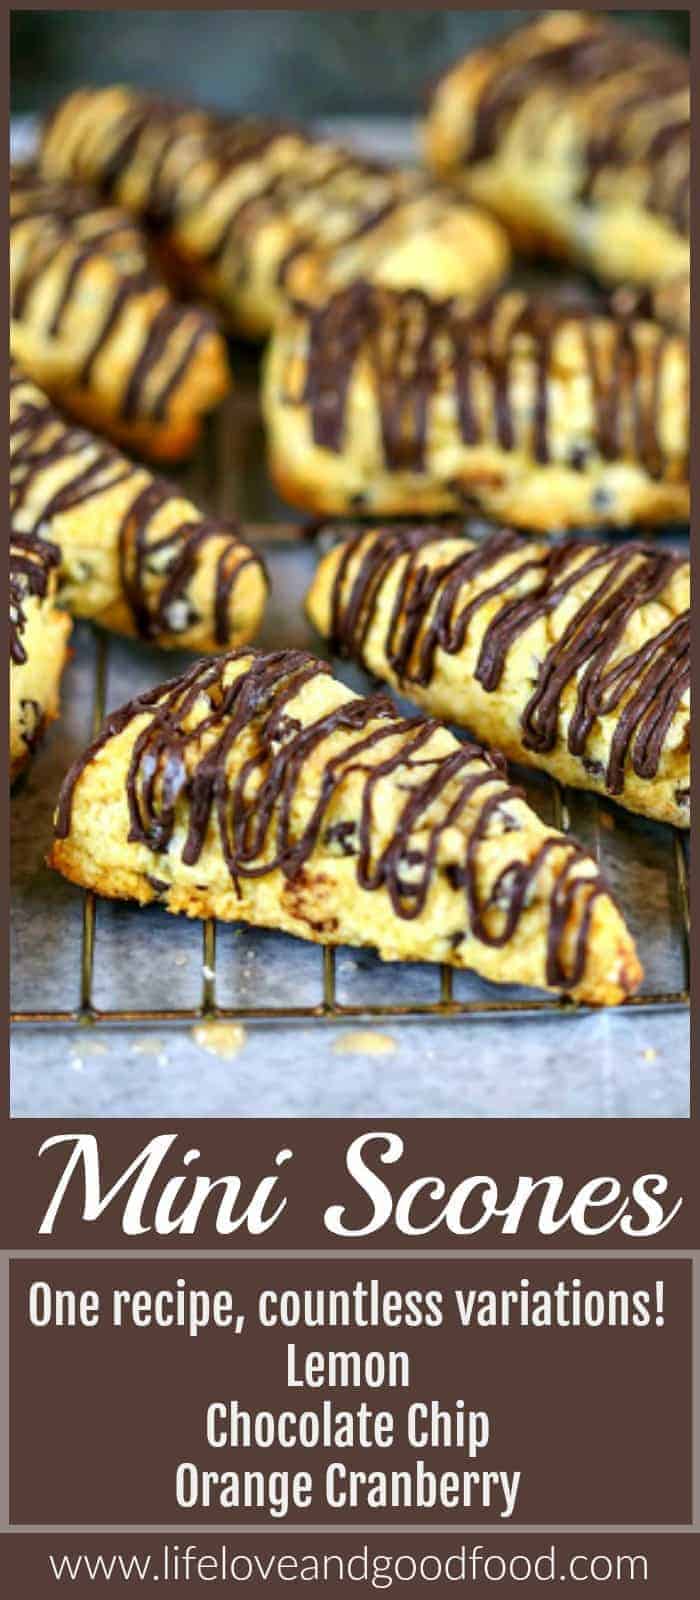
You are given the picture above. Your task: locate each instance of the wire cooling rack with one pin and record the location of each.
(646, 864)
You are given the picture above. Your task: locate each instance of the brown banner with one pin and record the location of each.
(468, 1393)
(656, 1565)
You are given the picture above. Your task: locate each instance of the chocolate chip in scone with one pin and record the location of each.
(411, 866)
(508, 823)
(412, 858)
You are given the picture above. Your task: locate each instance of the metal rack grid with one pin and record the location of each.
(329, 1008)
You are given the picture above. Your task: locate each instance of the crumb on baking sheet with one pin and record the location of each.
(223, 1039)
(364, 1043)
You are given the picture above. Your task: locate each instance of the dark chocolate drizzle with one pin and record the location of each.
(31, 562)
(74, 223)
(194, 135)
(176, 142)
(412, 342)
(429, 613)
(39, 439)
(592, 59)
(253, 806)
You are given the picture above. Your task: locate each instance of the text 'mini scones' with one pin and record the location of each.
(571, 656)
(258, 788)
(93, 324)
(545, 415)
(576, 133)
(250, 211)
(134, 554)
(38, 644)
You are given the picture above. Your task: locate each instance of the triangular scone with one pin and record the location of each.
(38, 645)
(258, 788)
(93, 324)
(135, 554)
(570, 655)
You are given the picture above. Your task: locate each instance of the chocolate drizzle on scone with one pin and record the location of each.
(185, 753)
(644, 686)
(31, 563)
(250, 210)
(40, 441)
(413, 344)
(56, 233)
(191, 134)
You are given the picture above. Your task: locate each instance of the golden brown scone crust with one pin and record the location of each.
(545, 416)
(249, 212)
(576, 133)
(259, 789)
(38, 645)
(96, 328)
(571, 657)
(135, 554)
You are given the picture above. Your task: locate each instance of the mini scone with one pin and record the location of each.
(544, 415)
(250, 211)
(570, 656)
(257, 788)
(38, 644)
(576, 133)
(94, 325)
(667, 303)
(135, 554)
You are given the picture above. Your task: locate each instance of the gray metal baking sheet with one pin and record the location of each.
(632, 1062)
